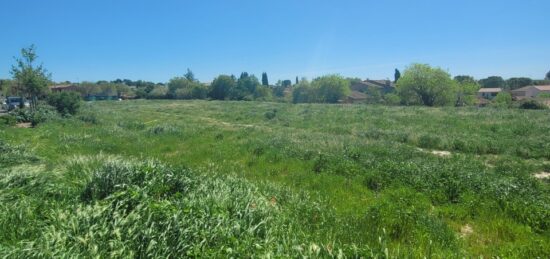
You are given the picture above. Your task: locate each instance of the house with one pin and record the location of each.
(356, 97)
(488, 93)
(531, 91)
(384, 86)
(63, 88)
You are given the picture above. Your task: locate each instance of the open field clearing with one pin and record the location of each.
(207, 178)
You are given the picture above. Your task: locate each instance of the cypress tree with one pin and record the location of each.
(265, 81)
(397, 75)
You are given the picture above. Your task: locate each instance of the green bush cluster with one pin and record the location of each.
(42, 113)
(66, 103)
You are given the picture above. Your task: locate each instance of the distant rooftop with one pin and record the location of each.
(539, 87)
(490, 90)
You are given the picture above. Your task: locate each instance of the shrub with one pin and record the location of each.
(41, 114)
(532, 105)
(8, 120)
(66, 103)
(392, 99)
(429, 141)
(270, 114)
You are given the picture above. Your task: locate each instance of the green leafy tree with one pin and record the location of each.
(467, 89)
(33, 79)
(6, 87)
(547, 76)
(354, 80)
(397, 75)
(158, 92)
(246, 87)
(190, 76)
(503, 99)
(518, 82)
(265, 81)
(422, 84)
(303, 93)
(465, 79)
(244, 75)
(286, 83)
(183, 88)
(493, 82)
(331, 88)
(221, 87)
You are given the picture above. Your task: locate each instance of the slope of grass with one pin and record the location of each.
(380, 187)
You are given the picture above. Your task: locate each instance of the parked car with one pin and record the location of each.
(14, 102)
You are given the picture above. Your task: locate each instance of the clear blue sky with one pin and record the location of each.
(80, 40)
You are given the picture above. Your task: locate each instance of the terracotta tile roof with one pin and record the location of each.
(539, 87)
(543, 87)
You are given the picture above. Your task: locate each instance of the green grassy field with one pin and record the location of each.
(169, 178)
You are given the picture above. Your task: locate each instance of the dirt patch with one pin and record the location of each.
(542, 175)
(229, 125)
(466, 230)
(24, 125)
(440, 153)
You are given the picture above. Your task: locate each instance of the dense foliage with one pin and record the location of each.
(422, 84)
(328, 89)
(66, 103)
(31, 79)
(493, 82)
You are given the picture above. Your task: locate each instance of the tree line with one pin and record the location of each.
(419, 84)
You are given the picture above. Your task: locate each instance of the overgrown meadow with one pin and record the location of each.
(243, 179)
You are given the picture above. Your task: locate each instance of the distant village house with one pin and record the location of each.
(384, 86)
(531, 91)
(488, 93)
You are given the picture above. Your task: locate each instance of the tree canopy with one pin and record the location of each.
(221, 87)
(31, 78)
(328, 89)
(548, 76)
(467, 88)
(422, 84)
(466, 79)
(493, 82)
(183, 88)
(518, 82)
(332, 88)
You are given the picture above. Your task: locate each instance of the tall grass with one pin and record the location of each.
(315, 180)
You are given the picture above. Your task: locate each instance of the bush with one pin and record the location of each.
(532, 105)
(41, 114)
(392, 99)
(65, 102)
(270, 114)
(8, 120)
(429, 141)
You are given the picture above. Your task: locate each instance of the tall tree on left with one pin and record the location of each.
(32, 79)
